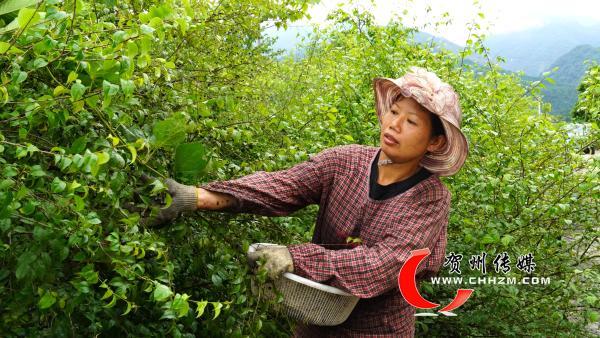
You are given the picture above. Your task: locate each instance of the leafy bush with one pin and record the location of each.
(96, 93)
(588, 104)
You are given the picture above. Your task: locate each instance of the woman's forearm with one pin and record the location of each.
(209, 200)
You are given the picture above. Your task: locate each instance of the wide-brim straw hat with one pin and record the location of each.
(440, 99)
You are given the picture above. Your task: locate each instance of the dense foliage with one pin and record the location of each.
(588, 104)
(96, 93)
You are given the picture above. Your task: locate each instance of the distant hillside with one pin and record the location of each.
(535, 50)
(288, 39)
(422, 37)
(571, 68)
(572, 64)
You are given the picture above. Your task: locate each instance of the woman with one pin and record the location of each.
(388, 196)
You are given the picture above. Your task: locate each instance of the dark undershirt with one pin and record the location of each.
(381, 192)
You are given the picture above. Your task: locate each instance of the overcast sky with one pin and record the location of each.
(500, 16)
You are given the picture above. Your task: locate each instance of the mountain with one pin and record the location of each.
(572, 65)
(566, 45)
(287, 39)
(535, 50)
(571, 68)
(422, 38)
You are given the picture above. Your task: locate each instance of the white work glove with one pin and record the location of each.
(277, 260)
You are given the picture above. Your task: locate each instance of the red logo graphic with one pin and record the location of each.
(407, 282)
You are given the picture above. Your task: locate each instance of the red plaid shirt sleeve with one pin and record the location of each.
(370, 271)
(281, 192)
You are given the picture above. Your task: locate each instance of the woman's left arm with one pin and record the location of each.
(370, 271)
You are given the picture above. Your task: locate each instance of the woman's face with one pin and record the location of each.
(406, 132)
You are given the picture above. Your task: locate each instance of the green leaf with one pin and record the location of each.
(29, 207)
(8, 6)
(40, 233)
(258, 325)
(109, 89)
(169, 132)
(20, 152)
(4, 94)
(112, 302)
(132, 49)
(158, 187)
(94, 220)
(115, 140)
(11, 26)
(37, 171)
(129, 306)
(133, 152)
(24, 264)
(591, 299)
(161, 292)
(217, 307)
(107, 294)
(72, 77)
(4, 47)
(183, 25)
(78, 145)
(180, 305)
(74, 185)
(200, 308)
(89, 274)
(92, 101)
(145, 45)
(103, 157)
(190, 159)
(39, 63)
(77, 90)
(27, 17)
(118, 37)
(21, 76)
(127, 87)
(58, 185)
(47, 300)
(43, 46)
(117, 159)
(59, 90)
(487, 238)
(216, 279)
(162, 11)
(147, 30)
(90, 163)
(79, 203)
(506, 240)
(77, 161)
(168, 314)
(5, 200)
(156, 23)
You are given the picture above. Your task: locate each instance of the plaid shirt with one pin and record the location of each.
(338, 180)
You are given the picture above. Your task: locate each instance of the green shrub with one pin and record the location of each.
(94, 94)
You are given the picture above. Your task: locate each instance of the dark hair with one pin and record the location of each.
(436, 125)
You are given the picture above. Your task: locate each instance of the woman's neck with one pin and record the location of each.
(396, 172)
